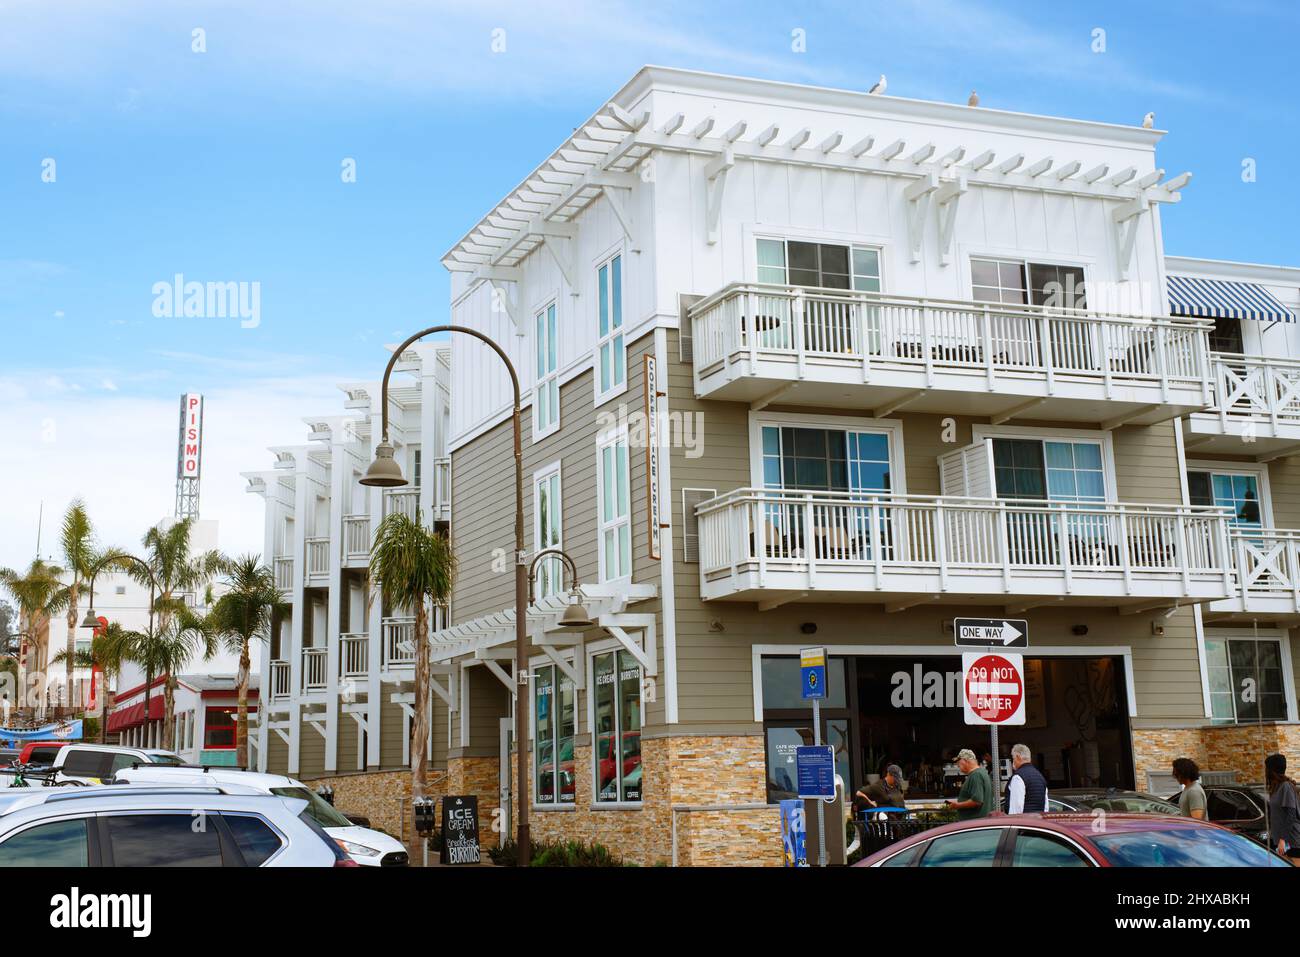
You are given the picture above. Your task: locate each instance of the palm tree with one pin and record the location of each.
(109, 649)
(40, 594)
(165, 650)
(245, 613)
(411, 565)
(80, 560)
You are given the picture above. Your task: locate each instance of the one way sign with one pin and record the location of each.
(991, 632)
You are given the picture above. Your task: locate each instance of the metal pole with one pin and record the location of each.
(821, 805)
(996, 769)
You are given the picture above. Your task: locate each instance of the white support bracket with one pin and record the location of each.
(946, 199)
(564, 261)
(317, 721)
(620, 204)
(501, 294)
(647, 656)
(1127, 216)
(500, 672)
(281, 730)
(917, 194)
(575, 675)
(715, 184)
(447, 693)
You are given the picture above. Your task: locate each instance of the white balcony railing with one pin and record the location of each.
(356, 536)
(865, 329)
(354, 655)
(284, 573)
(399, 642)
(802, 540)
(280, 681)
(442, 486)
(404, 500)
(1256, 388)
(318, 557)
(1267, 565)
(313, 669)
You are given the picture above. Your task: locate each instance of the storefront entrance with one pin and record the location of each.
(907, 710)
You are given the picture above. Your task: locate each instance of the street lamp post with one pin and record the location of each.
(384, 472)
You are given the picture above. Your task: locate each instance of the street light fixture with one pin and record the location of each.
(384, 472)
(575, 613)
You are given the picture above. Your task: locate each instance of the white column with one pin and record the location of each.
(302, 518)
(340, 477)
(374, 625)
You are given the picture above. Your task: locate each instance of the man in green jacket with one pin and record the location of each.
(976, 796)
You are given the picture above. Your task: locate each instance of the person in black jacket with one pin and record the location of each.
(1283, 807)
(1027, 790)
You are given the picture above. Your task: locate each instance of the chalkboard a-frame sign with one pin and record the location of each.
(460, 829)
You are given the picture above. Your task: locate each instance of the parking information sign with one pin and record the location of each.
(815, 770)
(812, 673)
(993, 688)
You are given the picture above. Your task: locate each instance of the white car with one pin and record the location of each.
(154, 826)
(364, 845)
(88, 764)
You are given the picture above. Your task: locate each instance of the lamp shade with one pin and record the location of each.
(575, 615)
(91, 620)
(384, 472)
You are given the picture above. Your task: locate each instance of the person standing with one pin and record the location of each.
(884, 792)
(975, 799)
(1027, 790)
(1283, 808)
(1191, 802)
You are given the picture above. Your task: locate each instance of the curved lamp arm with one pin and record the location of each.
(552, 553)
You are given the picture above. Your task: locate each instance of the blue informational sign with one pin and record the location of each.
(812, 673)
(815, 770)
(794, 834)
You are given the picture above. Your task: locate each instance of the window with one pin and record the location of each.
(1004, 281)
(88, 764)
(1238, 491)
(256, 840)
(57, 844)
(318, 809)
(164, 840)
(547, 517)
(825, 460)
(1060, 471)
(1042, 850)
(119, 589)
(611, 350)
(415, 472)
(964, 849)
(546, 393)
(554, 715)
(821, 265)
(219, 728)
(615, 510)
(1184, 847)
(616, 727)
(1223, 805)
(1245, 677)
(1226, 336)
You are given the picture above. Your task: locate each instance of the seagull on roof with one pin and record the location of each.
(1148, 121)
(880, 85)
(974, 99)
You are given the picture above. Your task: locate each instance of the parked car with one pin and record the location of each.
(35, 754)
(365, 845)
(148, 826)
(1108, 799)
(8, 756)
(1240, 807)
(1073, 840)
(77, 763)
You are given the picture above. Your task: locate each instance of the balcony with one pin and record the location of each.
(773, 547)
(399, 642)
(354, 655)
(280, 681)
(1255, 408)
(819, 347)
(1266, 585)
(356, 540)
(318, 560)
(284, 573)
(313, 669)
(442, 489)
(403, 500)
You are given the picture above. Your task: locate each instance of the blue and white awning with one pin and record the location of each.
(1224, 299)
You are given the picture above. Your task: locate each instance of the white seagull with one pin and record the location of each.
(974, 99)
(880, 85)
(1148, 121)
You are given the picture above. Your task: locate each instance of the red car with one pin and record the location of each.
(1076, 840)
(40, 753)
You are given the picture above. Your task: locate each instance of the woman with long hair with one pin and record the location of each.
(1283, 807)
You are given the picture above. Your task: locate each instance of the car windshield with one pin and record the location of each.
(1128, 802)
(320, 810)
(1184, 847)
(165, 758)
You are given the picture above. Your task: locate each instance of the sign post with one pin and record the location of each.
(812, 680)
(993, 693)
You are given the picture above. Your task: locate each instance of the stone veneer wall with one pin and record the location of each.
(1224, 747)
(382, 796)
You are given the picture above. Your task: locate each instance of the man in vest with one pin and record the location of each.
(1027, 792)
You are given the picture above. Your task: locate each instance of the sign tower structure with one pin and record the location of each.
(189, 456)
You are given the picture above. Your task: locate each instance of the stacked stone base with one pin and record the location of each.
(1231, 747)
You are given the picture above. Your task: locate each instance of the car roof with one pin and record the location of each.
(256, 780)
(145, 796)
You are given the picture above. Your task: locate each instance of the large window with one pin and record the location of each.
(547, 515)
(615, 509)
(825, 460)
(546, 393)
(1018, 282)
(790, 262)
(611, 364)
(554, 709)
(616, 727)
(1060, 470)
(219, 728)
(1246, 682)
(1238, 491)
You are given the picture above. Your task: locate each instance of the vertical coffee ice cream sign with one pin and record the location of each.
(190, 449)
(460, 830)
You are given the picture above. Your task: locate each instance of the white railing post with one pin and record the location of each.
(1126, 560)
(986, 335)
(748, 325)
(877, 546)
(810, 541)
(1066, 564)
(1162, 367)
(1104, 334)
(927, 350)
(760, 537)
(797, 322)
(1182, 546)
(1243, 577)
(1044, 338)
(1004, 544)
(941, 543)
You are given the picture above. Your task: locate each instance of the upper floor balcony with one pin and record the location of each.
(761, 343)
(283, 566)
(774, 546)
(1266, 576)
(1255, 408)
(356, 540)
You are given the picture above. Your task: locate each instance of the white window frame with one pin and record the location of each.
(787, 236)
(545, 475)
(1025, 259)
(752, 234)
(594, 651)
(980, 433)
(551, 376)
(558, 676)
(1262, 634)
(614, 438)
(1258, 472)
(615, 333)
(891, 428)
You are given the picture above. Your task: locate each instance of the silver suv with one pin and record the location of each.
(127, 825)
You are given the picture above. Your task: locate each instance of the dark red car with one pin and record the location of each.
(1076, 840)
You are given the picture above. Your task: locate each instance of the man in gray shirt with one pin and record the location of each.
(1191, 802)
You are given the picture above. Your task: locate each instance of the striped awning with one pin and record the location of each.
(1224, 299)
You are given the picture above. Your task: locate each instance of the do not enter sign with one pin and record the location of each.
(993, 688)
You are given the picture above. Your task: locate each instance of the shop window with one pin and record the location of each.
(616, 728)
(219, 728)
(554, 709)
(1246, 682)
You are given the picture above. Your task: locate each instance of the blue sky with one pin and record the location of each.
(225, 166)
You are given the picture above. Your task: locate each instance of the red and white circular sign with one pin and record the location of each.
(995, 689)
